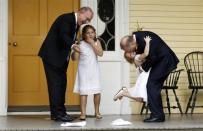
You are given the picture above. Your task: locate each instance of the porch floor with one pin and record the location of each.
(42, 122)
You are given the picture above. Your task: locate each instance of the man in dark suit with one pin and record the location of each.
(161, 59)
(55, 54)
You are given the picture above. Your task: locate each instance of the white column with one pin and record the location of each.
(123, 8)
(3, 56)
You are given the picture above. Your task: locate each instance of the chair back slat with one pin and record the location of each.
(172, 79)
(194, 66)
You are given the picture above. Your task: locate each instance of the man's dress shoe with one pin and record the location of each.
(62, 118)
(154, 119)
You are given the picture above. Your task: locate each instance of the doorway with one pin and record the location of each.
(29, 22)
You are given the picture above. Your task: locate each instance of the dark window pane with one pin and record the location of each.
(106, 12)
(111, 27)
(111, 45)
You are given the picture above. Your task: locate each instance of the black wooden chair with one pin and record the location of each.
(169, 84)
(194, 66)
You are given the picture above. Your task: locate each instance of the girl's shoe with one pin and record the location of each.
(119, 95)
(98, 116)
(82, 117)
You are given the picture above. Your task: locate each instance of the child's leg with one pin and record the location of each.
(124, 92)
(97, 99)
(127, 94)
(83, 103)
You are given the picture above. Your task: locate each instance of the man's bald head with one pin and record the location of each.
(123, 42)
(127, 43)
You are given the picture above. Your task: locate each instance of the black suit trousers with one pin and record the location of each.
(154, 87)
(57, 82)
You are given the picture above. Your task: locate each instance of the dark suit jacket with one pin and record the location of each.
(159, 55)
(57, 45)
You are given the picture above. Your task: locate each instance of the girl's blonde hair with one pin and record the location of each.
(130, 60)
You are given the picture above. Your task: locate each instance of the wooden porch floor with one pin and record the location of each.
(175, 122)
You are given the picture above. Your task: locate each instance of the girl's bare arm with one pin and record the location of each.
(97, 47)
(75, 53)
(146, 49)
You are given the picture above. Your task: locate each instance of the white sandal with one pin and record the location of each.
(119, 94)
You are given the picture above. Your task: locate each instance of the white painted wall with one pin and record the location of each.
(3, 56)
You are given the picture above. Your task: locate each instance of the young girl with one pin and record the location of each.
(88, 74)
(139, 91)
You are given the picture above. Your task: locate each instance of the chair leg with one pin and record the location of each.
(168, 102)
(194, 101)
(147, 109)
(177, 101)
(189, 102)
(143, 107)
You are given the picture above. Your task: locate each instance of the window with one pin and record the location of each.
(106, 13)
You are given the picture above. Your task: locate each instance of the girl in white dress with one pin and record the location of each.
(139, 91)
(88, 75)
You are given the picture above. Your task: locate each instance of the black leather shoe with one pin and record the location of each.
(64, 118)
(154, 119)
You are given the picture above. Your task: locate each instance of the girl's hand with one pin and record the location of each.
(90, 41)
(76, 48)
(147, 39)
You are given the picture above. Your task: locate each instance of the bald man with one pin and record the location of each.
(161, 59)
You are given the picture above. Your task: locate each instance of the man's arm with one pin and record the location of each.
(65, 35)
